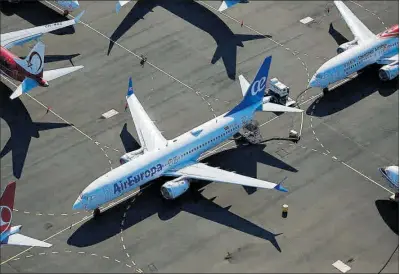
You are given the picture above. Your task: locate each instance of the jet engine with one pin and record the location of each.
(130, 156)
(388, 72)
(345, 46)
(173, 189)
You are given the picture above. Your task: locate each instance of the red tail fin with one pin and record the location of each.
(6, 206)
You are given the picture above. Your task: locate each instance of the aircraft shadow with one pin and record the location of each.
(199, 16)
(351, 92)
(150, 202)
(22, 128)
(57, 58)
(337, 36)
(129, 143)
(389, 211)
(37, 14)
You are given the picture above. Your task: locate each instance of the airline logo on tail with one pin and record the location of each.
(259, 86)
(6, 206)
(36, 61)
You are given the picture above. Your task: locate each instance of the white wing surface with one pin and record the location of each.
(359, 30)
(149, 136)
(19, 239)
(204, 172)
(20, 37)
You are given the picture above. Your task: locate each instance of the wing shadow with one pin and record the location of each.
(351, 92)
(22, 128)
(389, 211)
(129, 143)
(200, 17)
(149, 203)
(337, 36)
(232, 159)
(36, 13)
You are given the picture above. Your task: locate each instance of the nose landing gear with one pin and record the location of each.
(96, 213)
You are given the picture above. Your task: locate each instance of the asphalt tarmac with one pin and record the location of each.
(338, 201)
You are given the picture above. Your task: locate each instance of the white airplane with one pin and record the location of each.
(366, 49)
(9, 234)
(179, 157)
(29, 71)
(224, 5)
(391, 174)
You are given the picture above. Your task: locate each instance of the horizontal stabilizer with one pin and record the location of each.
(227, 4)
(24, 87)
(244, 84)
(120, 4)
(56, 73)
(277, 108)
(19, 239)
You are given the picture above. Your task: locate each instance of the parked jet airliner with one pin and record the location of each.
(366, 49)
(29, 71)
(9, 234)
(179, 157)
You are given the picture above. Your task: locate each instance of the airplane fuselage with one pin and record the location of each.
(355, 58)
(9, 67)
(151, 165)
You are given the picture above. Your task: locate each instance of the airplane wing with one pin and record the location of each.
(149, 136)
(388, 59)
(19, 239)
(204, 172)
(359, 30)
(20, 37)
(227, 4)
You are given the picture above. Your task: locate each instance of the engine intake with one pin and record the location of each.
(388, 72)
(345, 46)
(130, 156)
(173, 189)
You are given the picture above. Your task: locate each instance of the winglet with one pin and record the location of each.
(280, 187)
(78, 18)
(130, 88)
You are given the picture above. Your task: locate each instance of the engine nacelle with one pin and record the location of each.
(345, 46)
(388, 72)
(130, 156)
(173, 189)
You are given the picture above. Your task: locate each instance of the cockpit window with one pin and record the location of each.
(84, 197)
(319, 76)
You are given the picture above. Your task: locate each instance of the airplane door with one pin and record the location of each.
(107, 193)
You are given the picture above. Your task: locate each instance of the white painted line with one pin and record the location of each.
(342, 267)
(94, 254)
(306, 20)
(133, 263)
(81, 252)
(366, 177)
(324, 153)
(128, 265)
(55, 252)
(123, 246)
(314, 150)
(109, 114)
(105, 257)
(28, 256)
(117, 261)
(334, 158)
(64, 214)
(127, 255)
(68, 251)
(50, 214)
(26, 212)
(43, 253)
(16, 259)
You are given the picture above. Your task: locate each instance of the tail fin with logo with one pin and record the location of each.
(253, 94)
(7, 205)
(33, 63)
(10, 235)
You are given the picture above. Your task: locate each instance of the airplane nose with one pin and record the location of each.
(78, 204)
(312, 82)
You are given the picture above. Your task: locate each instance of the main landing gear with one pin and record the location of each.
(65, 13)
(96, 213)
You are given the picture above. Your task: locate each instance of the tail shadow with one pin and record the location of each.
(129, 143)
(22, 128)
(200, 17)
(36, 13)
(337, 36)
(389, 211)
(351, 92)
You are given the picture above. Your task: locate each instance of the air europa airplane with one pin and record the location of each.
(366, 49)
(179, 157)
